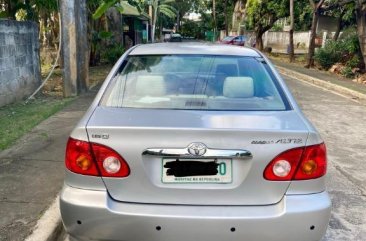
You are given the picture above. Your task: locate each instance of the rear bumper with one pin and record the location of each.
(93, 215)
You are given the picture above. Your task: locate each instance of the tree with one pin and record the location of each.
(238, 17)
(214, 17)
(317, 9)
(183, 7)
(226, 19)
(292, 19)
(344, 11)
(361, 26)
(262, 15)
(224, 8)
(161, 7)
(315, 12)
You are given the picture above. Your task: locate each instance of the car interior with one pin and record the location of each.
(224, 83)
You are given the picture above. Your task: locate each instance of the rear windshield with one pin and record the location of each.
(194, 82)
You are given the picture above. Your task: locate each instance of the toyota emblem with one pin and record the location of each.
(197, 149)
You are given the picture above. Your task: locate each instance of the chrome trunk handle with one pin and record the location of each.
(197, 150)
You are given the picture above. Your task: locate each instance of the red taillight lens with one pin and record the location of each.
(110, 163)
(94, 159)
(313, 163)
(302, 163)
(79, 158)
(292, 156)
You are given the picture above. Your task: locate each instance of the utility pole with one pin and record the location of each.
(149, 2)
(292, 20)
(226, 19)
(74, 47)
(214, 18)
(155, 5)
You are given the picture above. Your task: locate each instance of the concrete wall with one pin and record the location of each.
(279, 41)
(19, 60)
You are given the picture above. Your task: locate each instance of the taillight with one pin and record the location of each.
(302, 163)
(313, 163)
(79, 158)
(110, 163)
(94, 160)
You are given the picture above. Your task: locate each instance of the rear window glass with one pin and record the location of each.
(194, 82)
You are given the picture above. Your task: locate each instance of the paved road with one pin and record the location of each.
(342, 124)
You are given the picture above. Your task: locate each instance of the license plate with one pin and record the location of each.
(186, 171)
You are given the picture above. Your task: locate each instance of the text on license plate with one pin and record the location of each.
(196, 171)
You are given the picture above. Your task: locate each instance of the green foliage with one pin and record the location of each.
(3, 14)
(350, 40)
(103, 7)
(347, 72)
(277, 27)
(112, 53)
(263, 14)
(102, 44)
(303, 15)
(346, 51)
(167, 10)
(190, 28)
(29, 10)
(329, 55)
(354, 62)
(104, 35)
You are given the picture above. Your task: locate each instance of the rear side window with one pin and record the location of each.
(194, 82)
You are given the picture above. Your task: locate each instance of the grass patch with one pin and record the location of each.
(19, 118)
(300, 59)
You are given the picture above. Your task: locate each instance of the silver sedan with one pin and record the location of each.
(198, 142)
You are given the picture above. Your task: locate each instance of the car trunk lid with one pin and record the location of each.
(132, 132)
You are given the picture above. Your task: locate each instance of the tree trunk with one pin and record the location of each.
(178, 22)
(161, 30)
(239, 16)
(75, 47)
(234, 19)
(69, 48)
(214, 18)
(226, 19)
(292, 50)
(153, 27)
(43, 28)
(150, 22)
(10, 10)
(361, 28)
(259, 40)
(115, 24)
(311, 52)
(82, 45)
(339, 27)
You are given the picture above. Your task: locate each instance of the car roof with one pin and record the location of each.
(193, 48)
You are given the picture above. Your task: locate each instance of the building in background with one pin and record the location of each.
(136, 27)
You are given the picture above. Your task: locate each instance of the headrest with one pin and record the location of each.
(238, 87)
(150, 85)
